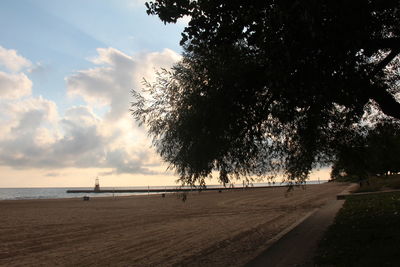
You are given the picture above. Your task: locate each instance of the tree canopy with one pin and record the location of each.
(374, 151)
(268, 87)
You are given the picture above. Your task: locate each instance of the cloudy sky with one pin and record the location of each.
(66, 71)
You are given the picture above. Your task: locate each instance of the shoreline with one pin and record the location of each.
(144, 194)
(8, 194)
(169, 190)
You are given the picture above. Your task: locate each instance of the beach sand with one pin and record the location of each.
(209, 229)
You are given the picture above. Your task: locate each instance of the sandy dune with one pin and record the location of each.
(209, 229)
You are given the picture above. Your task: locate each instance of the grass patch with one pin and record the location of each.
(370, 187)
(394, 183)
(366, 232)
(378, 183)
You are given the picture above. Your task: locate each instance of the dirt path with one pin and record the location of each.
(210, 228)
(297, 247)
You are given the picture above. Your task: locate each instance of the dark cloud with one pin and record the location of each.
(52, 174)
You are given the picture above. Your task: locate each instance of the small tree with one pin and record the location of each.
(373, 151)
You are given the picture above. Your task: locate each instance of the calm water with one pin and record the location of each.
(46, 193)
(50, 193)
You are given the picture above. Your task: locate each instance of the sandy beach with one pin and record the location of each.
(209, 229)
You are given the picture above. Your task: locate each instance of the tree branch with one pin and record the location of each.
(384, 62)
(384, 43)
(386, 102)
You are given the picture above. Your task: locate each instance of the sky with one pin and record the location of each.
(66, 72)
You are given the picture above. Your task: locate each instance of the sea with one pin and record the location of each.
(61, 192)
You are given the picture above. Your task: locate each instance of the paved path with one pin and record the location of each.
(298, 246)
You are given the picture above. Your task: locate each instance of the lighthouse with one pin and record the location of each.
(97, 185)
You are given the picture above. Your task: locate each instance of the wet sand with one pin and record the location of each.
(209, 229)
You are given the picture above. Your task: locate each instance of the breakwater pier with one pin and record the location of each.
(160, 190)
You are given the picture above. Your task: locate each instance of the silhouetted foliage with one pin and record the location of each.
(267, 87)
(374, 151)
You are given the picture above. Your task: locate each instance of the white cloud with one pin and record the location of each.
(82, 116)
(24, 116)
(110, 83)
(41, 138)
(26, 134)
(12, 61)
(76, 140)
(34, 135)
(14, 86)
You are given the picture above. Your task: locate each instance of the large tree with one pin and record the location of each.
(267, 87)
